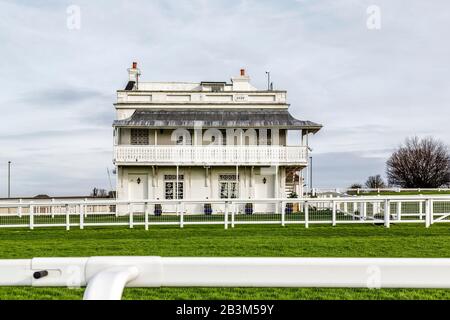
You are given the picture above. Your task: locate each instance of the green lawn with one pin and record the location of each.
(251, 240)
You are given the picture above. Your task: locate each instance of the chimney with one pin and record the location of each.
(242, 82)
(133, 74)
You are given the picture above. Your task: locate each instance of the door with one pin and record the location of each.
(137, 190)
(265, 189)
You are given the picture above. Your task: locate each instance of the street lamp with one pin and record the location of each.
(9, 179)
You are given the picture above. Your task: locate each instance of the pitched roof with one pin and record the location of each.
(254, 118)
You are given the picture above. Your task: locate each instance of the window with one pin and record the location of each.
(169, 186)
(228, 187)
(139, 136)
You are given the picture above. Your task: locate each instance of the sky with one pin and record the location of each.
(370, 82)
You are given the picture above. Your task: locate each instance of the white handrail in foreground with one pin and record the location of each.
(106, 277)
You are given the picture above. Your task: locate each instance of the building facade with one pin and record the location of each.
(207, 140)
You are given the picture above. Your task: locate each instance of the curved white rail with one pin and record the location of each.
(106, 277)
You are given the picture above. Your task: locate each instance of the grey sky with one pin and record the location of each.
(369, 88)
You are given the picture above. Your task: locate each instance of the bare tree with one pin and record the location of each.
(419, 163)
(375, 182)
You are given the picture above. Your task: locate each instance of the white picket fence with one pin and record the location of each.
(228, 212)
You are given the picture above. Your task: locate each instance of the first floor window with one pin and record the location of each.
(228, 186)
(169, 186)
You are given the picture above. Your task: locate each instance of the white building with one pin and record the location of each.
(212, 139)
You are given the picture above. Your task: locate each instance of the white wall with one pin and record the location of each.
(197, 186)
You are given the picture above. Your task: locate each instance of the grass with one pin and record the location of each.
(263, 240)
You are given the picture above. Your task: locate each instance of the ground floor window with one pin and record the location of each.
(228, 187)
(169, 186)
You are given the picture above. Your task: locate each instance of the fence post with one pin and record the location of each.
(333, 215)
(146, 215)
(85, 211)
(399, 210)
(431, 212)
(67, 217)
(181, 215)
(31, 216)
(130, 215)
(52, 208)
(421, 210)
(82, 208)
(306, 214)
(427, 213)
(233, 213)
(283, 214)
(19, 209)
(226, 215)
(387, 213)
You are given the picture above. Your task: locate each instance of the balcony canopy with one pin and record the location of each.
(257, 118)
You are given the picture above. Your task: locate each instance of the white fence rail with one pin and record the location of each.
(362, 191)
(106, 277)
(227, 212)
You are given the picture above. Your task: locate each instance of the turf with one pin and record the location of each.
(245, 240)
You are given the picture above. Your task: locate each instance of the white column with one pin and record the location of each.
(176, 184)
(237, 182)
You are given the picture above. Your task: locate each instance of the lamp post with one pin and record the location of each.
(9, 179)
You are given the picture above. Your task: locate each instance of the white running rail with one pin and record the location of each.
(106, 277)
(387, 210)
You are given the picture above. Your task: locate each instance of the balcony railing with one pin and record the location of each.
(226, 155)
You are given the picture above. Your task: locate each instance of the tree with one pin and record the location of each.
(375, 182)
(419, 163)
(356, 186)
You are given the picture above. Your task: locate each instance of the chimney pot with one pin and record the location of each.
(134, 65)
(242, 72)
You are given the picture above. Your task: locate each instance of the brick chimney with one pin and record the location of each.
(242, 82)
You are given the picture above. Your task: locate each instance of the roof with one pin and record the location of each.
(243, 118)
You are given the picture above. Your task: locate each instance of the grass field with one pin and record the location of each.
(266, 240)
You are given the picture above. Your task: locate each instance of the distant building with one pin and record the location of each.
(207, 140)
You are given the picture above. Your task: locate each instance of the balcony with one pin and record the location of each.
(210, 155)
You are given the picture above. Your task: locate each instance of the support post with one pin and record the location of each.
(306, 214)
(19, 209)
(82, 208)
(31, 216)
(146, 215)
(67, 217)
(420, 210)
(283, 213)
(431, 211)
(176, 184)
(427, 213)
(399, 210)
(233, 213)
(226, 215)
(387, 213)
(130, 215)
(333, 217)
(181, 215)
(52, 208)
